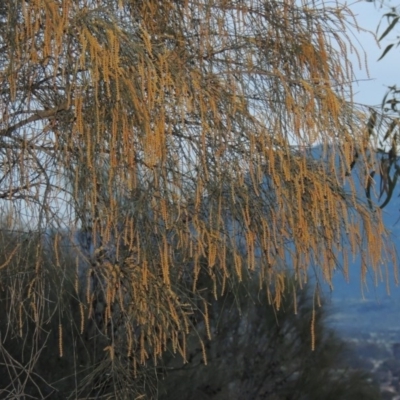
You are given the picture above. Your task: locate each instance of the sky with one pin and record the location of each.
(370, 90)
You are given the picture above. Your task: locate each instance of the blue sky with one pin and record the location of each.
(382, 73)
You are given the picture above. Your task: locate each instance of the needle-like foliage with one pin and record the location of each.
(175, 136)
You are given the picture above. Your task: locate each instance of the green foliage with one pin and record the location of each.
(385, 131)
(392, 19)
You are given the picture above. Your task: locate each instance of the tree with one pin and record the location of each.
(176, 137)
(258, 352)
